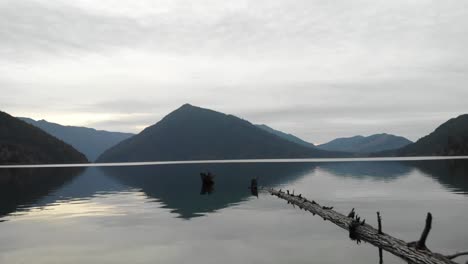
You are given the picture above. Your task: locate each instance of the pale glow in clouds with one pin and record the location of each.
(318, 69)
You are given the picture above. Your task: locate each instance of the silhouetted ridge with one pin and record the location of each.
(22, 143)
(193, 133)
(361, 144)
(289, 137)
(449, 139)
(88, 141)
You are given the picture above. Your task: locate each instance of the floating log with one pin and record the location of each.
(415, 252)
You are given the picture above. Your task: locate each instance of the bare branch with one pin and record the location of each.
(421, 243)
(379, 221)
(457, 255)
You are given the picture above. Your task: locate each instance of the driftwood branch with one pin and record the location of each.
(361, 231)
(421, 243)
(457, 255)
(379, 222)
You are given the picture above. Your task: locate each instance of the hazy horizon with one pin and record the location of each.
(315, 69)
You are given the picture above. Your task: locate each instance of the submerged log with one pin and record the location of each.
(359, 230)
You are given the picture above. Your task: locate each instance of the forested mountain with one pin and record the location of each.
(194, 133)
(449, 139)
(22, 143)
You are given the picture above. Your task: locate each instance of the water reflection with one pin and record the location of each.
(178, 186)
(451, 173)
(207, 188)
(379, 170)
(254, 187)
(22, 188)
(72, 213)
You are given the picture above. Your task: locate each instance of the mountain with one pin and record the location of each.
(361, 144)
(22, 143)
(449, 139)
(194, 133)
(88, 141)
(286, 136)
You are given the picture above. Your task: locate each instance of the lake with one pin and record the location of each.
(162, 213)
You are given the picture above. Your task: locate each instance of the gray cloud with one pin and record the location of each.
(123, 106)
(318, 69)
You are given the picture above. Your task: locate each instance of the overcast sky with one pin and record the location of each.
(317, 69)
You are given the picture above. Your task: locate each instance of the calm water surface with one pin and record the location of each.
(161, 214)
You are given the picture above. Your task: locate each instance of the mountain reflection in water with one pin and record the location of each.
(178, 187)
(24, 188)
(152, 213)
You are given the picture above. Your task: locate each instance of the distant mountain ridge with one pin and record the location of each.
(88, 141)
(449, 139)
(22, 143)
(369, 144)
(289, 137)
(194, 133)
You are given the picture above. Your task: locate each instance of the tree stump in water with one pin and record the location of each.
(207, 183)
